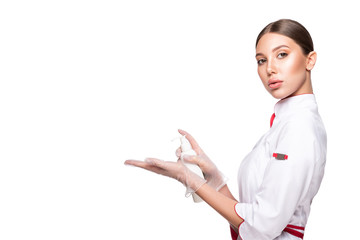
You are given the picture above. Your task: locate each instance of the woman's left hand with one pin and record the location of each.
(176, 170)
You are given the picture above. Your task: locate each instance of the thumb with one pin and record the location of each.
(190, 159)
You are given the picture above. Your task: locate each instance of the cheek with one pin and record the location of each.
(295, 67)
(262, 74)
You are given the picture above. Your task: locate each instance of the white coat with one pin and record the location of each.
(279, 178)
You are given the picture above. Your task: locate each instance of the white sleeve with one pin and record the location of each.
(286, 181)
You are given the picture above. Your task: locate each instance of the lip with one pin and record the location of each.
(274, 83)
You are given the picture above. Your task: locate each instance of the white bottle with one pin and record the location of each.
(187, 150)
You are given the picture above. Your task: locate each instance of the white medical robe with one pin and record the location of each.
(280, 176)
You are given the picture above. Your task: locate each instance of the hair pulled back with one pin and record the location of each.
(291, 29)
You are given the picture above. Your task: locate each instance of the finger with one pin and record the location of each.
(149, 164)
(178, 152)
(136, 163)
(192, 141)
(190, 159)
(169, 169)
(155, 162)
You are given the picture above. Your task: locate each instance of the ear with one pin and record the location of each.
(311, 60)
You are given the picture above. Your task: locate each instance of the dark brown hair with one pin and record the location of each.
(291, 29)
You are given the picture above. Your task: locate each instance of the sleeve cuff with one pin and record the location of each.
(238, 234)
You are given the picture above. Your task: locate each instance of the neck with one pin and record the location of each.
(306, 87)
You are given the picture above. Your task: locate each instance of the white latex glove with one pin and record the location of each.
(213, 176)
(176, 170)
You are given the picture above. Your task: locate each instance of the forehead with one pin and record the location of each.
(269, 41)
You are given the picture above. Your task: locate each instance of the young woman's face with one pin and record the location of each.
(282, 66)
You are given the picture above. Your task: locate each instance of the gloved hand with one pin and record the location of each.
(176, 170)
(213, 176)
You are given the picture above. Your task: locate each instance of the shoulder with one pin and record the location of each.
(301, 134)
(307, 124)
(305, 121)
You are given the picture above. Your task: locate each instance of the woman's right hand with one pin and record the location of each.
(213, 176)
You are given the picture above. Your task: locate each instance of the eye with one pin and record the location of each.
(261, 61)
(282, 55)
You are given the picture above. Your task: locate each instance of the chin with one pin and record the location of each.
(278, 94)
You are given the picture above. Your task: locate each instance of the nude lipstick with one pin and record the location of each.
(274, 83)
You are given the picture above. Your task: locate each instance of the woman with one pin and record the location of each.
(280, 176)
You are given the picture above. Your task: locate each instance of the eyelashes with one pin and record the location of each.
(261, 61)
(281, 55)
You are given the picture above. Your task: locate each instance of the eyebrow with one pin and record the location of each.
(278, 47)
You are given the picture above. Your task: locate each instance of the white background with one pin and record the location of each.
(86, 85)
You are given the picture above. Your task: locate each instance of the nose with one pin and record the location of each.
(271, 67)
